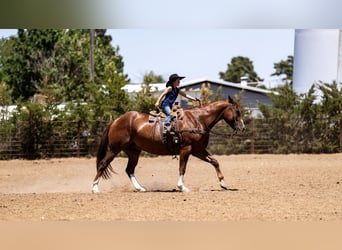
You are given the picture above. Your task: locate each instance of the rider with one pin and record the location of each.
(170, 93)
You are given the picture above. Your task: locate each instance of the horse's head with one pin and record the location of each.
(232, 115)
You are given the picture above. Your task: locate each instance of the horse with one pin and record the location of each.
(132, 132)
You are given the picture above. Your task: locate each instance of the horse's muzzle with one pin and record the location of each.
(240, 128)
(239, 131)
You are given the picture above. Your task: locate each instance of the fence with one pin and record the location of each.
(57, 139)
(272, 136)
(71, 139)
(256, 139)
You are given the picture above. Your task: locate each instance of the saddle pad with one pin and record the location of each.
(153, 118)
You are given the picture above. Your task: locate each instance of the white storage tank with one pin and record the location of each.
(317, 57)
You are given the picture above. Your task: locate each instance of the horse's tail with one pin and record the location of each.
(105, 170)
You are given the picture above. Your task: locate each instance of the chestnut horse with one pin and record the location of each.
(132, 132)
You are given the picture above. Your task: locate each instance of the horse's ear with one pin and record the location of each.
(231, 100)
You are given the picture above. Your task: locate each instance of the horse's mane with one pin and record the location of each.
(204, 106)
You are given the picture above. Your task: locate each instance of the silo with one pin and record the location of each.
(317, 57)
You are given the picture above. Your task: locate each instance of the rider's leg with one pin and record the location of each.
(167, 122)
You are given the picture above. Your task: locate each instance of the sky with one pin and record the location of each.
(194, 38)
(197, 53)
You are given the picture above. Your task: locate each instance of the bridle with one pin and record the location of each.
(207, 130)
(237, 126)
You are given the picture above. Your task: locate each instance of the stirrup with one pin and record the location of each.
(167, 128)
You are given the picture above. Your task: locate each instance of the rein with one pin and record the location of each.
(206, 130)
(203, 132)
(193, 131)
(222, 134)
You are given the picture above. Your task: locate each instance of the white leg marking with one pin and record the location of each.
(181, 185)
(223, 184)
(95, 188)
(136, 183)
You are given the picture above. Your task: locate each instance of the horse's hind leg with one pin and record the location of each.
(133, 154)
(102, 169)
(205, 156)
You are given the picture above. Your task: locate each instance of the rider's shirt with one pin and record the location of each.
(170, 97)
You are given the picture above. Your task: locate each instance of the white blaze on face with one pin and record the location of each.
(242, 123)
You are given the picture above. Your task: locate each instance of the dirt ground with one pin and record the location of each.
(261, 188)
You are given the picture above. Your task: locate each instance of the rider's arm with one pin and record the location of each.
(167, 90)
(188, 96)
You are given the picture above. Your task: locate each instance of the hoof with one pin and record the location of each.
(184, 189)
(141, 189)
(223, 185)
(95, 190)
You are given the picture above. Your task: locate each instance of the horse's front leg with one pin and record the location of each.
(205, 156)
(183, 160)
(133, 157)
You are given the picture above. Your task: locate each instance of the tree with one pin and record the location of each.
(5, 94)
(145, 99)
(285, 67)
(91, 100)
(282, 118)
(238, 67)
(5, 100)
(306, 123)
(56, 63)
(22, 58)
(151, 77)
(331, 111)
(206, 93)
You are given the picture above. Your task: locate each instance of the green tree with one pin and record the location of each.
(56, 63)
(206, 93)
(218, 94)
(103, 93)
(331, 112)
(5, 100)
(32, 123)
(151, 77)
(72, 56)
(284, 67)
(282, 118)
(238, 67)
(92, 100)
(309, 123)
(5, 94)
(22, 58)
(144, 100)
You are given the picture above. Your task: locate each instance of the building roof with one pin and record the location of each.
(130, 88)
(186, 84)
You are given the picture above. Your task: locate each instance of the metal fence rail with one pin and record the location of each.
(66, 139)
(69, 139)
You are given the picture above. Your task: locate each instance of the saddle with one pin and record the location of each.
(172, 137)
(176, 112)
